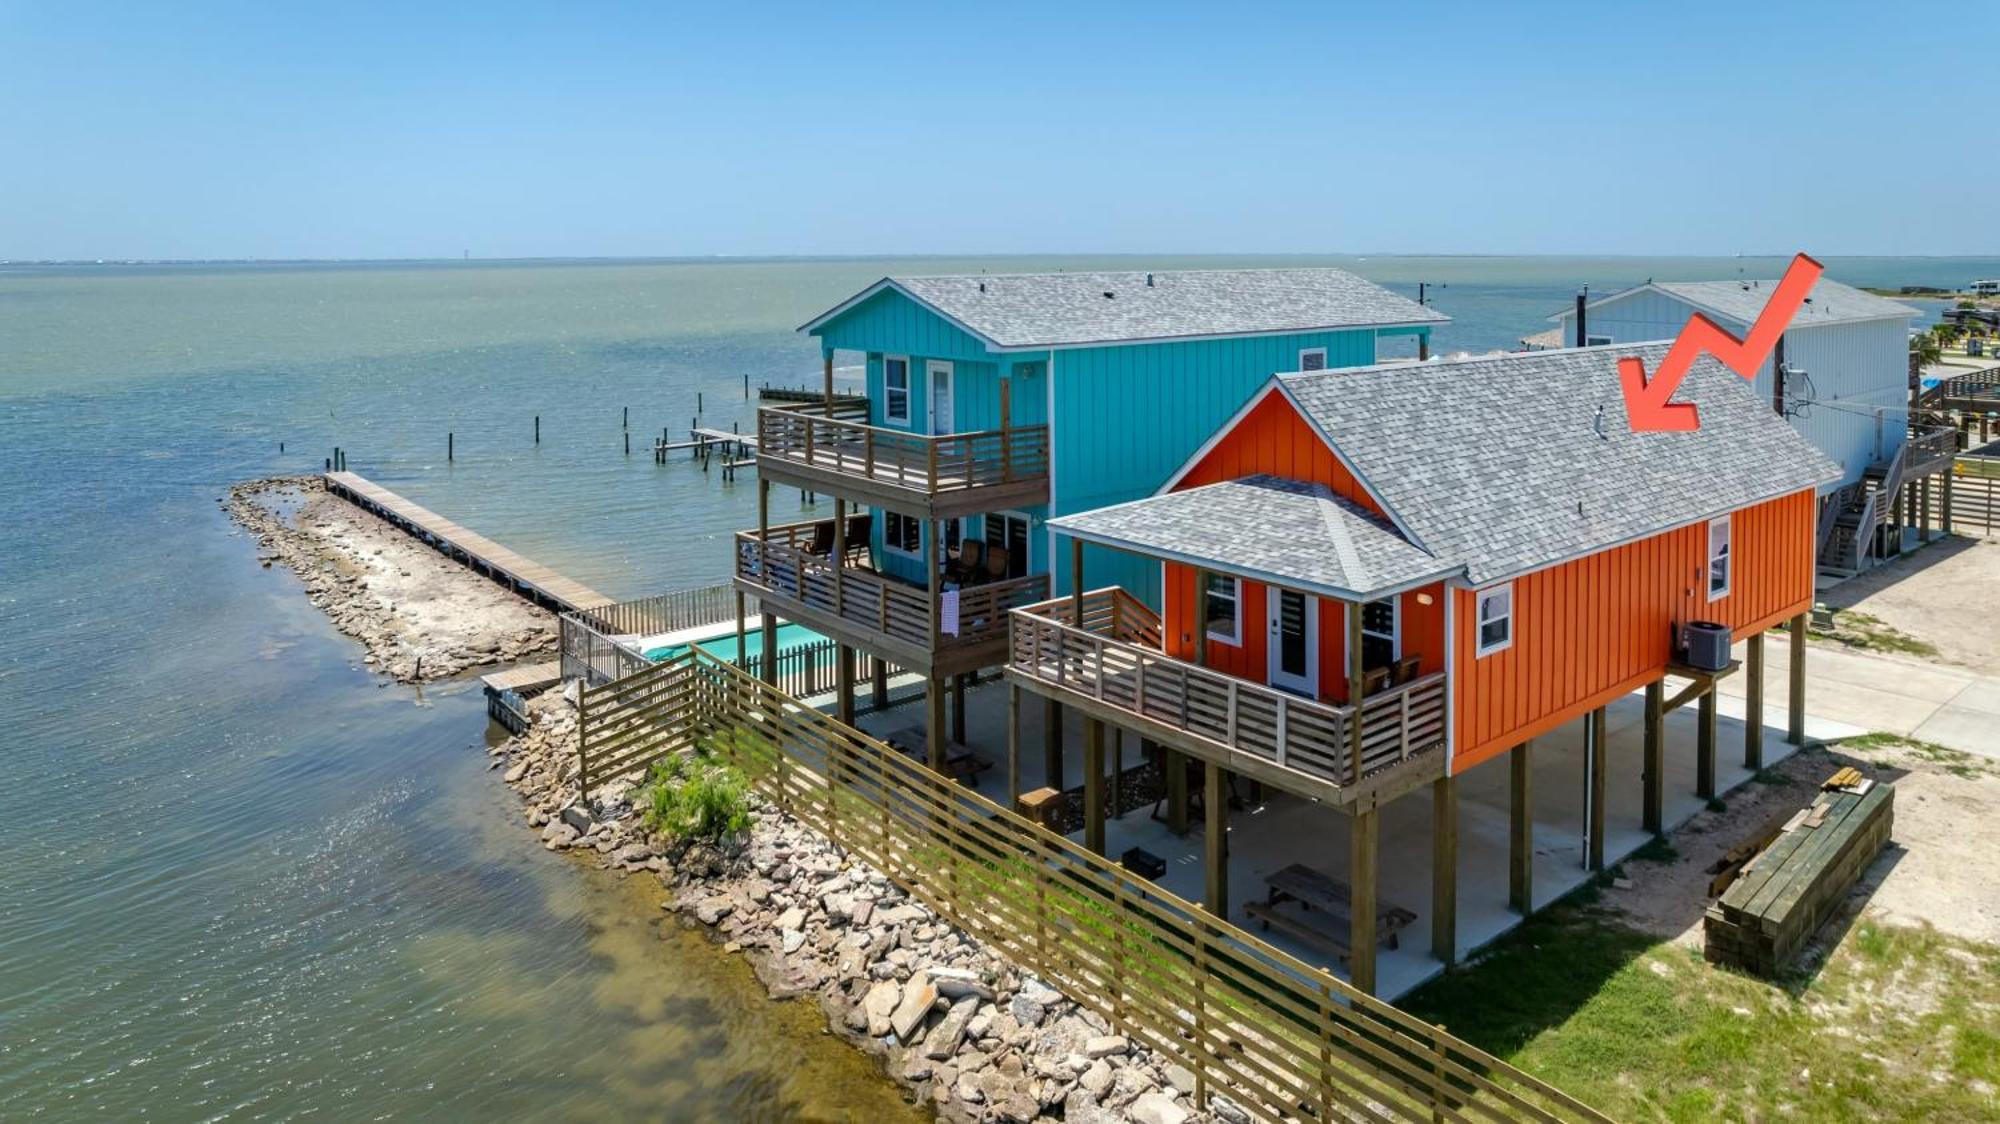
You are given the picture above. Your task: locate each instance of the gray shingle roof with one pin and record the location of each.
(1055, 309)
(1498, 464)
(1830, 302)
(1266, 528)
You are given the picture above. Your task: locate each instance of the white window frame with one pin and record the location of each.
(1728, 544)
(889, 392)
(1305, 351)
(889, 541)
(1480, 647)
(1592, 339)
(1234, 637)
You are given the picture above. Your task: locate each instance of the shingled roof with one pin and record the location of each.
(1266, 528)
(1012, 311)
(1830, 302)
(1511, 463)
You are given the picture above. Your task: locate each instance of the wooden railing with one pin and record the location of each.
(1280, 1038)
(1136, 676)
(783, 567)
(1931, 448)
(596, 644)
(804, 435)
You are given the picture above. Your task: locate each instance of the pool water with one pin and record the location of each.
(723, 644)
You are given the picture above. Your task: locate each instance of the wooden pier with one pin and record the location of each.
(507, 691)
(524, 576)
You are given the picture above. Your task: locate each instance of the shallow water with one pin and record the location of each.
(240, 876)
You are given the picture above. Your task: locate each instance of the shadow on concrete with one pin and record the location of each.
(1848, 592)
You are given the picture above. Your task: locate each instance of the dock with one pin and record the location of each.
(506, 691)
(480, 554)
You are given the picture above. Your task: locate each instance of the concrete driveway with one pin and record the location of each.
(1864, 693)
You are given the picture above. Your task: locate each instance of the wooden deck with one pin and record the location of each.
(524, 576)
(941, 475)
(527, 677)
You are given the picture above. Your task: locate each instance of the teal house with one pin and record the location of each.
(998, 401)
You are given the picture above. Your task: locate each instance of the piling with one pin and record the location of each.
(538, 429)
(627, 423)
(698, 409)
(746, 385)
(628, 442)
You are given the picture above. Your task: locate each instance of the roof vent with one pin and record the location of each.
(1598, 425)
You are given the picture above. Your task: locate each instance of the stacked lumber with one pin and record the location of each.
(1781, 897)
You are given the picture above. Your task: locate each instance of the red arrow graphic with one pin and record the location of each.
(1646, 401)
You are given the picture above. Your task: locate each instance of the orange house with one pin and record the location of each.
(1377, 579)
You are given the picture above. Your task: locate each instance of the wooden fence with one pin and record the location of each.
(1283, 1039)
(595, 642)
(1975, 495)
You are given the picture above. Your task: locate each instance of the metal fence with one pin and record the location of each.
(1283, 1039)
(598, 643)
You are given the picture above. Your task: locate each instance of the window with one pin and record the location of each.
(902, 534)
(1718, 558)
(1219, 615)
(1379, 637)
(1596, 341)
(1493, 610)
(1009, 530)
(1312, 359)
(896, 389)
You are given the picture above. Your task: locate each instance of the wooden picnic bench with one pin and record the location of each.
(960, 762)
(1317, 890)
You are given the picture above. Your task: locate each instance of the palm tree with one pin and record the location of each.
(1926, 348)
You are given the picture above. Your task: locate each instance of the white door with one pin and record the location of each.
(1294, 657)
(940, 374)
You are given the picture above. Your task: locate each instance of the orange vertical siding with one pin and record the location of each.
(1590, 630)
(1273, 438)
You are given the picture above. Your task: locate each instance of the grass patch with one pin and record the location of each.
(1965, 766)
(1898, 1024)
(695, 796)
(1864, 630)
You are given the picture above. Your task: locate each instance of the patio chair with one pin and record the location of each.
(858, 527)
(822, 540)
(1374, 681)
(996, 563)
(1407, 670)
(964, 566)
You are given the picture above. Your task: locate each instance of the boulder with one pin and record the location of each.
(1106, 1046)
(1157, 1108)
(949, 1033)
(958, 983)
(918, 995)
(880, 1004)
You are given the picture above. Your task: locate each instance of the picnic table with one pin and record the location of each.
(1316, 890)
(960, 762)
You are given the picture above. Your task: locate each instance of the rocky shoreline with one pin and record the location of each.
(955, 1023)
(418, 615)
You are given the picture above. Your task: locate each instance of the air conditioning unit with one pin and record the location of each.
(1707, 645)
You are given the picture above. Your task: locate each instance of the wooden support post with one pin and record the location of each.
(1201, 617)
(1600, 760)
(1655, 779)
(769, 660)
(1354, 674)
(1521, 829)
(1444, 869)
(1076, 582)
(839, 553)
(829, 382)
(1093, 785)
(1364, 836)
(879, 687)
(1174, 764)
(1215, 844)
(1117, 772)
(1944, 510)
(1052, 744)
(1704, 745)
(958, 708)
(933, 539)
(1795, 704)
(742, 648)
(934, 723)
(843, 690)
(1013, 745)
(1753, 704)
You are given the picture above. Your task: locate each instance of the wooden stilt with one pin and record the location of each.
(1600, 760)
(1444, 869)
(742, 645)
(1753, 704)
(934, 722)
(1795, 705)
(1655, 779)
(1013, 745)
(1216, 844)
(1521, 829)
(1944, 506)
(958, 708)
(1177, 790)
(1052, 744)
(1704, 745)
(768, 660)
(1117, 771)
(1093, 785)
(1364, 836)
(843, 684)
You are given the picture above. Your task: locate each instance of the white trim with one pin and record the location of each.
(1251, 573)
(1353, 469)
(1051, 510)
(1479, 646)
(1727, 523)
(908, 390)
(1272, 595)
(1319, 351)
(1222, 431)
(1233, 639)
(932, 369)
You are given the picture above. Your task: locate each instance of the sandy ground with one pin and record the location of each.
(1935, 869)
(1941, 594)
(419, 615)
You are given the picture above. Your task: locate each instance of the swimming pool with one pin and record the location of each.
(723, 642)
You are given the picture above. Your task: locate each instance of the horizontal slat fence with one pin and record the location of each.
(1975, 495)
(1283, 1039)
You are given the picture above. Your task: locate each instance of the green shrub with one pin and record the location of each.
(693, 796)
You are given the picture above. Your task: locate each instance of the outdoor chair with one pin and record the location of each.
(963, 566)
(1407, 670)
(996, 563)
(822, 540)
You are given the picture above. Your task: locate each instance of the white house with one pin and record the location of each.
(1847, 351)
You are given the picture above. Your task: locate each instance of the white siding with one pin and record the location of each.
(1859, 372)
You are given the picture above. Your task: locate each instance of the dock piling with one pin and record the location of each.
(746, 384)
(698, 409)
(628, 442)
(450, 446)
(538, 429)
(627, 423)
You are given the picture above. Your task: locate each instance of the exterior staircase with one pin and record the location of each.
(1851, 516)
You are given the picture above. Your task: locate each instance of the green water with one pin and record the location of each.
(724, 644)
(240, 876)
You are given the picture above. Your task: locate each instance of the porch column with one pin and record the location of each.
(769, 659)
(829, 380)
(742, 648)
(879, 688)
(1076, 583)
(958, 708)
(1013, 744)
(1215, 845)
(1354, 673)
(1600, 758)
(1945, 510)
(1175, 767)
(1656, 757)
(1364, 835)
(1444, 869)
(843, 684)
(1753, 704)
(1795, 706)
(1093, 785)
(934, 722)
(1704, 745)
(1521, 829)
(839, 552)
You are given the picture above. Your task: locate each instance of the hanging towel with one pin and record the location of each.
(948, 612)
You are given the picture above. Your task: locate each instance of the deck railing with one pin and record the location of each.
(1282, 1039)
(782, 566)
(597, 644)
(804, 435)
(1130, 672)
(1931, 448)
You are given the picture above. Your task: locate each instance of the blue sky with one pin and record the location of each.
(280, 130)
